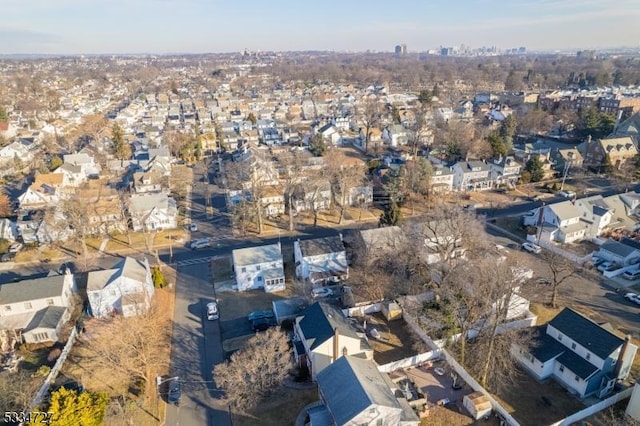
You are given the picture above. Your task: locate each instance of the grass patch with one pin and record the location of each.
(281, 408)
(511, 224)
(544, 313)
(221, 269)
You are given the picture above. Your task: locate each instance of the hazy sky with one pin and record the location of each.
(192, 26)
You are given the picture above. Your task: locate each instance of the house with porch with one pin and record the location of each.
(321, 260)
(505, 171)
(473, 175)
(441, 178)
(126, 289)
(153, 212)
(323, 334)
(259, 267)
(559, 222)
(581, 355)
(620, 150)
(35, 310)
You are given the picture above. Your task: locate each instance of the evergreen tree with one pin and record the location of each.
(534, 167)
(607, 165)
(498, 147)
(392, 215)
(121, 148)
(71, 408)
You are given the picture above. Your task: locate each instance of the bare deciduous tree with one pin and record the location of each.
(255, 370)
(560, 268)
(344, 177)
(369, 114)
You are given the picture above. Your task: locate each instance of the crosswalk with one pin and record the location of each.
(195, 261)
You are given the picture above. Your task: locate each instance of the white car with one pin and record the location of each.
(198, 244)
(607, 266)
(193, 227)
(321, 292)
(633, 297)
(212, 311)
(567, 194)
(531, 248)
(15, 247)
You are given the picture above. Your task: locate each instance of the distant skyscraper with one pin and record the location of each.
(404, 49)
(398, 50)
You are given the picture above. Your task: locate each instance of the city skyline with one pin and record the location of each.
(200, 26)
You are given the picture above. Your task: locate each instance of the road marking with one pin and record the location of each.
(195, 261)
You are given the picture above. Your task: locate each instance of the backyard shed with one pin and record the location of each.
(391, 310)
(477, 404)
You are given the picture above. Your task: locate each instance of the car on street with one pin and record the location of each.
(596, 261)
(193, 227)
(607, 266)
(531, 247)
(260, 314)
(567, 194)
(321, 292)
(15, 247)
(198, 244)
(633, 297)
(174, 392)
(212, 311)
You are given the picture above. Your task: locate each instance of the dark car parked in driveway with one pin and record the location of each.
(174, 392)
(261, 324)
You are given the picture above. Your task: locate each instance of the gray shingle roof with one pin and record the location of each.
(351, 384)
(586, 333)
(256, 255)
(583, 368)
(127, 267)
(48, 317)
(319, 322)
(33, 289)
(319, 246)
(617, 248)
(544, 347)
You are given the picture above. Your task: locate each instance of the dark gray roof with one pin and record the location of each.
(630, 242)
(583, 368)
(617, 248)
(586, 333)
(351, 384)
(319, 246)
(33, 289)
(48, 317)
(544, 347)
(319, 322)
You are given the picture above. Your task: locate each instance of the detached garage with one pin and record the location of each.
(477, 404)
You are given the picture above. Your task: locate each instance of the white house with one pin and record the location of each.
(153, 212)
(395, 135)
(321, 259)
(360, 195)
(323, 334)
(35, 310)
(43, 193)
(259, 267)
(471, 176)
(558, 222)
(86, 162)
(504, 171)
(442, 178)
(582, 356)
(127, 289)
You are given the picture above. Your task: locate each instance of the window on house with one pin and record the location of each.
(49, 302)
(577, 379)
(27, 305)
(559, 337)
(588, 355)
(613, 362)
(561, 368)
(573, 346)
(112, 292)
(259, 279)
(39, 337)
(258, 268)
(244, 270)
(7, 308)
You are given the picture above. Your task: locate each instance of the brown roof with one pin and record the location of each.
(50, 179)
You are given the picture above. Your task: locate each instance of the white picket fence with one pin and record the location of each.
(54, 371)
(410, 361)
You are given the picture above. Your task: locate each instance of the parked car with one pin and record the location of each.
(198, 244)
(260, 314)
(174, 392)
(567, 194)
(596, 261)
(321, 292)
(631, 274)
(15, 247)
(607, 266)
(261, 324)
(531, 248)
(193, 227)
(212, 311)
(633, 297)
(7, 257)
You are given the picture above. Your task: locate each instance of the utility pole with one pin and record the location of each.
(567, 166)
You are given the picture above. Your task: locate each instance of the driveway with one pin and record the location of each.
(196, 347)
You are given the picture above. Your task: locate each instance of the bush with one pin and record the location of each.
(43, 371)
(54, 355)
(159, 281)
(4, 245)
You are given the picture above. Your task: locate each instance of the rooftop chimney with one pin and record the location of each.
(335, 344)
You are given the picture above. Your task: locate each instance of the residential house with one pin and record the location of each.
(359, 196)
(471, 176)
(585, 357)
(313, 198)
(323, 334)
(259, 267)
(619, 150)
(372, 245)
(395, 135)
(441, 178)
(629, 127)
(272, 202)
(321, 260)
(74, 175)
(15, 150)
(595, 213)
(559, 222)
(354, 393)
(566, 159)
(86, 162)
(624, 252)
(44, 192)
(126, 289)
(442, 241)
(504, 171)
(8, 229)
(152, 212)
(148, 182)
(34, 310)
